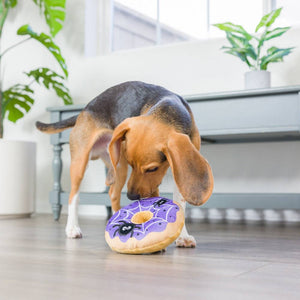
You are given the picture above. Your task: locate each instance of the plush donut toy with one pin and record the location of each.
(144, 226)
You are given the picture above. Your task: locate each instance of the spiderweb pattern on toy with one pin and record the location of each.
(162, 215)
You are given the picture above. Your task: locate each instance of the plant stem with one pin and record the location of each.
(1, 100)
(13, 46)
(2, 21)
(1, 119)
(31, 82)
(3, 16)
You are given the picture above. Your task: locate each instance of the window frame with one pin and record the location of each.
(99, 22)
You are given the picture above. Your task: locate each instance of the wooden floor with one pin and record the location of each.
(230, 262)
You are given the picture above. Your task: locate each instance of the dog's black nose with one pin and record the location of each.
(133, 196)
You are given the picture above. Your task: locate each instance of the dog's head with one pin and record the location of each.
(150, 147)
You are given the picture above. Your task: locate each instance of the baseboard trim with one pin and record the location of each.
(217, 200)
(15, 216)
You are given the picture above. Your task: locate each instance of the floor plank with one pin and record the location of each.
(231, 261)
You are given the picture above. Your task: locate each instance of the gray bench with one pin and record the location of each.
(230, 117)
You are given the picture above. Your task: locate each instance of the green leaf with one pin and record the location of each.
(236, 41)
(242, 44)
(17, 101)
(239, 54)
(243, 51)
(12, 3)
(5, 5)
(268, 19)
(274, 54)
(230, 27)
(272, 50)
(52, 80)
(39, 3)
(54, 12)
(47, 41)
(276, 32)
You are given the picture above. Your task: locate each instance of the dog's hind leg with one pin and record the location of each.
(79, 161)
(83, 137)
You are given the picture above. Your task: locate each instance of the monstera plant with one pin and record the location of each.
(250, 47)
(17, 100)
(18, 158)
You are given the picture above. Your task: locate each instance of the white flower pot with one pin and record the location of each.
(257, 79)
(17, 178)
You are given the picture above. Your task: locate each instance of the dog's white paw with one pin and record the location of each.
(73, 232)
(186, 241)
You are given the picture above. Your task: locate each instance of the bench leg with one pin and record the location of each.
(57, 170)
(109, 211)
(56, 209)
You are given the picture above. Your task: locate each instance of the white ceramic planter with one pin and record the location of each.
(17, 178)
(257, 79)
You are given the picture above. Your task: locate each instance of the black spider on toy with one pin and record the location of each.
(124, 228)
(160, 202)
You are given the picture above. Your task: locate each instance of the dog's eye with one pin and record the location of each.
(152, 170)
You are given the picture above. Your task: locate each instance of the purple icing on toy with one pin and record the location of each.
(164, 212)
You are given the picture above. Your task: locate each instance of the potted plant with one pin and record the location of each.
(249, 48)
(17, 158)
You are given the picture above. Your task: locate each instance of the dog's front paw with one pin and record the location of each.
(73, 232)
(186, 241)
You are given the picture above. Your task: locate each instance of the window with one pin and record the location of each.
(128, 24)
(138, 23)
(134, 24)
(245, 13)
(291, 13)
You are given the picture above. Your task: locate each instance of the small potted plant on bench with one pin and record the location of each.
(249, 48)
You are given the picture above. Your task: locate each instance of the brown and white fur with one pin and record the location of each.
(144, 126)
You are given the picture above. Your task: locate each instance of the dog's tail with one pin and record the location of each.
(56, 127)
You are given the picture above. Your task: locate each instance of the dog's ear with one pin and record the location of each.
(191, 171)
(114, 147)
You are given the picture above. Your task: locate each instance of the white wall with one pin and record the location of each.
(187, 68)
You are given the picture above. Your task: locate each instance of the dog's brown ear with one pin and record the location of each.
(114, 147)
(191, 171)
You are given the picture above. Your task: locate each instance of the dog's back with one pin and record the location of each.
(130, 99)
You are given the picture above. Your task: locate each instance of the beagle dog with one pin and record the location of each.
(144, 126)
